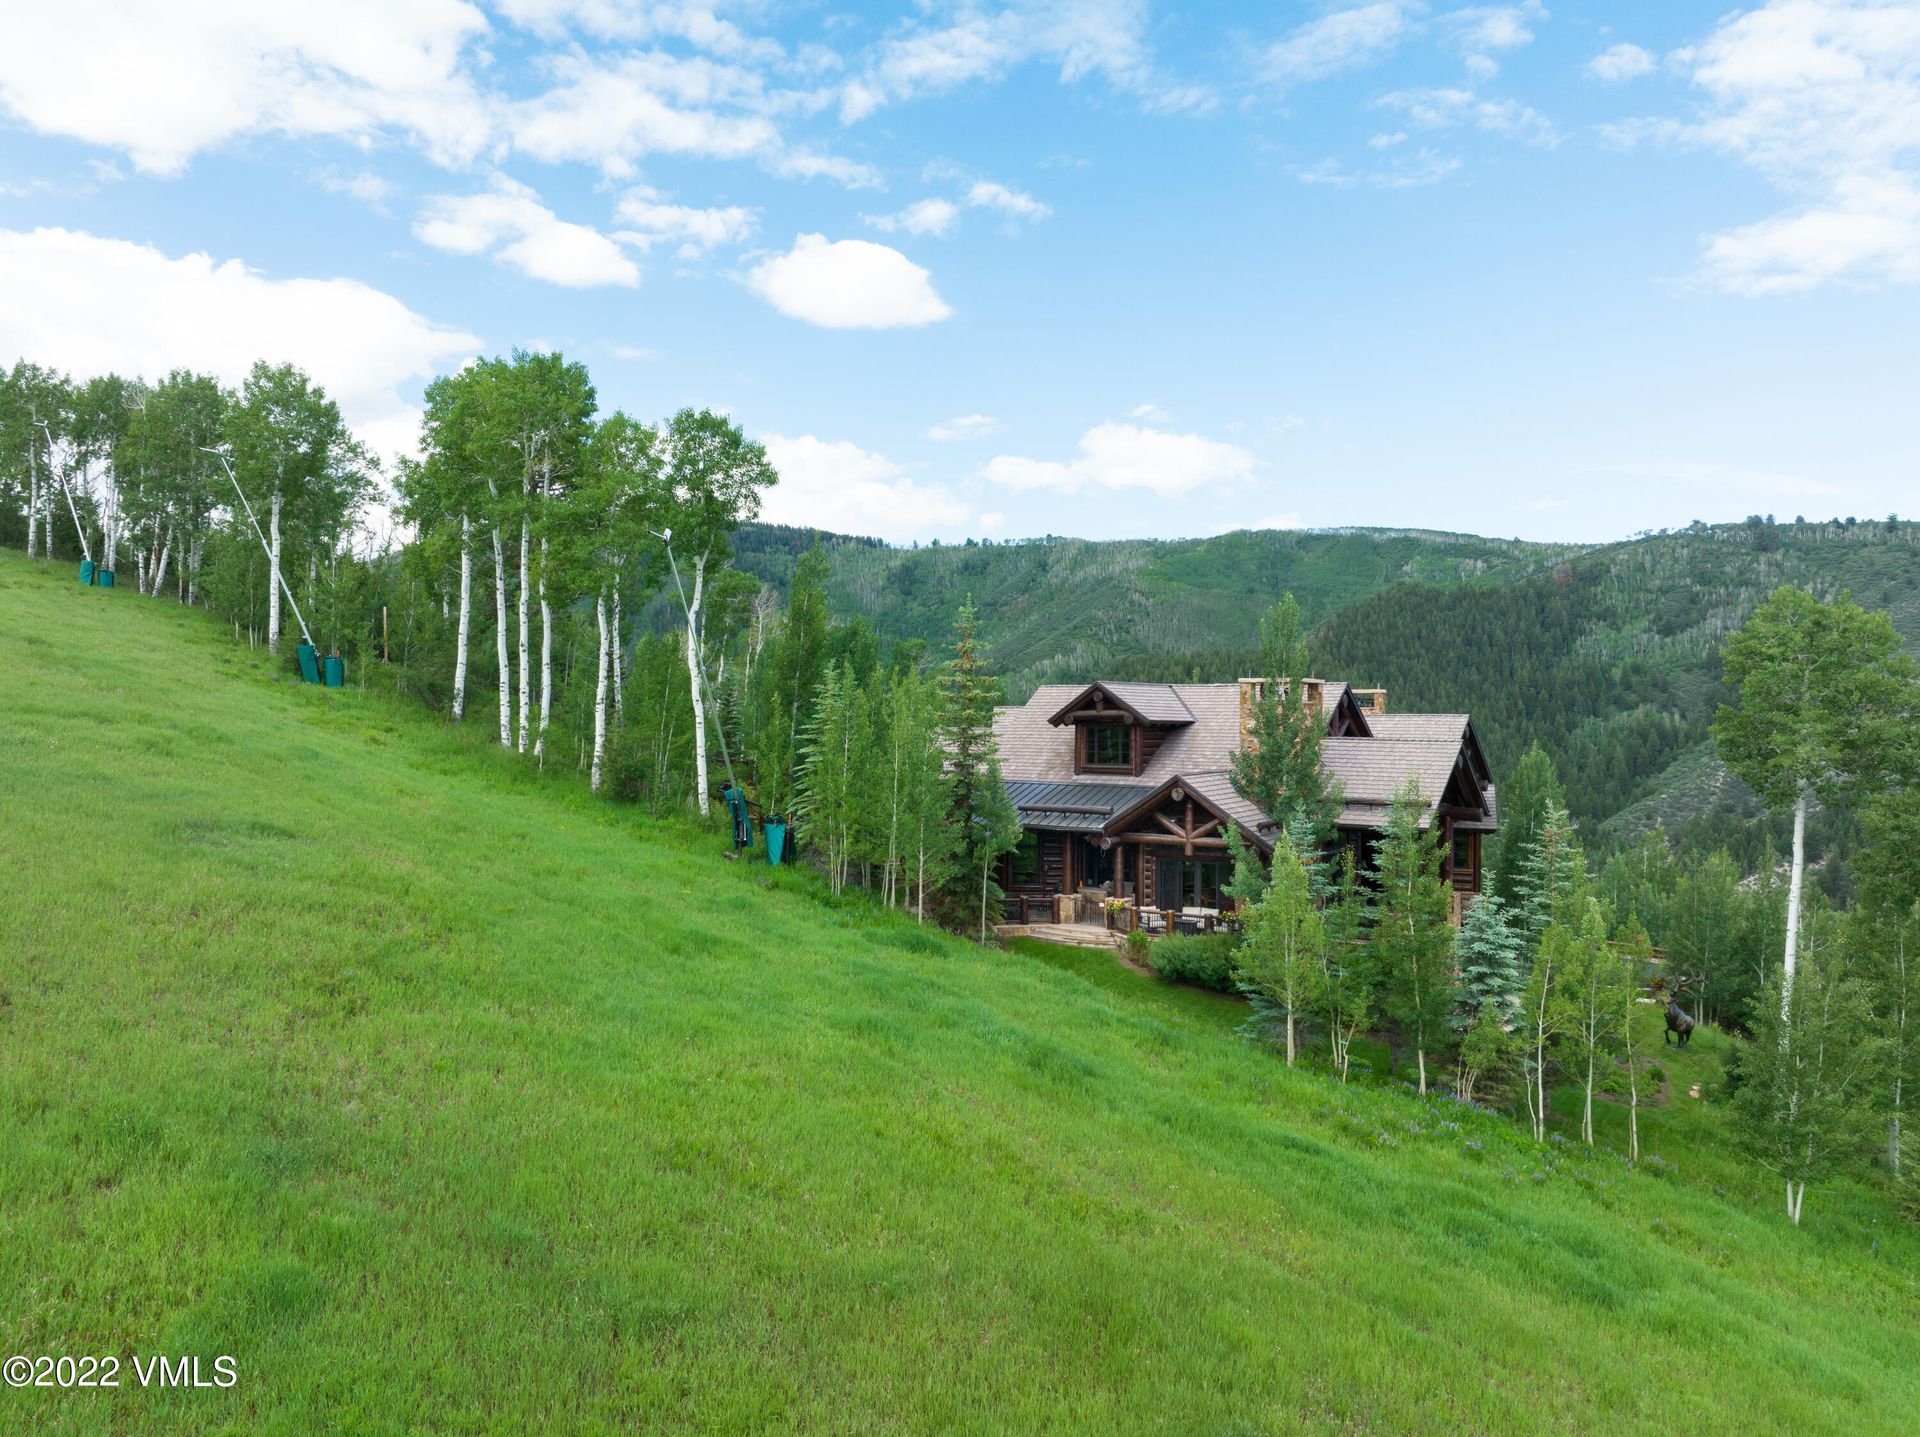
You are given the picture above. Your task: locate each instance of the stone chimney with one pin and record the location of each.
(1373, 702)
(1253, 691)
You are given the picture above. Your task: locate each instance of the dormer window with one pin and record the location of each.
(1108, 746)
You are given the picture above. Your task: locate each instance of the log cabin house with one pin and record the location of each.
(1125, 788)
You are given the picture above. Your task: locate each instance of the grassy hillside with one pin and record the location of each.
(445, 1099)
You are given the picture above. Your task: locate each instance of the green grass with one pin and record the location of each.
(448, 1100)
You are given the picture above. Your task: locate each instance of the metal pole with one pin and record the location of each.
(86, 549)
(719, 728)
(285, 588)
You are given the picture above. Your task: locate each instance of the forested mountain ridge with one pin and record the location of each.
(1608, 655)
(1062, 609)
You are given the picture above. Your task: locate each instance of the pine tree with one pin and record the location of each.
(1412, 937)
(1525, 795)
(1491, 964)
(834, 745)
(1278, 767)
(969, 693)
(1552, 885)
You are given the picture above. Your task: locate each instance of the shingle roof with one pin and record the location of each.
(1371, 769)
(1156, 703)
(1032, 748)
(1200, 753)
(1452, 727)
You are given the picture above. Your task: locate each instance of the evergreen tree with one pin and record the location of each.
(1412, 937)
(790, 677)
(1552, 885)
(1886, 942)
(1280, 961)
(1492, 968)
(1525, 795)
(969, 693)
(1278, 766)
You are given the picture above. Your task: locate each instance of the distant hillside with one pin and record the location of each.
(1064, 609)
(1608, 655)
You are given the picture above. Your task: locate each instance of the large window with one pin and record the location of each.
(1189, 883)
(1025, 867)
(1109, 746)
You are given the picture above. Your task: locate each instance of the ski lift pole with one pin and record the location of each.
(285, 587)
(665, 536)
(86, 549)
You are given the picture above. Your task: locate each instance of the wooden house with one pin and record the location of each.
(1126, 788)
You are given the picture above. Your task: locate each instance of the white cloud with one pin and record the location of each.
(1081, 37)
(363, 185)
(1150, 412)
(1423, 167)
(1127, 456)
(649, 220)
(89, 304)
(1866, 229)
(988, 194)
(1479, 28)
(1439, 109)
(164, 82)
(638, 352)
(965, 426)
(510, 223)
(847, 284)
(1619, 63)
(1345, 40)
(923, 217)
(1823, 99)
(841, 487)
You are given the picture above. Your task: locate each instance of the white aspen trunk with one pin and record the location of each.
(273, 578)
(526, 677)
(1420, 1057)
(1586, 1115)
(193, 572)
(619, 660)
(1291, 1042)
(1633, 1113)
(693, 678)
(466, 619)
(1794, 880)
(33, 493)
(160, 568)
(600, 696)
(546, 658)
(500, 637)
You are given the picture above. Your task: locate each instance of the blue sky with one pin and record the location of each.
(1094, 267)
